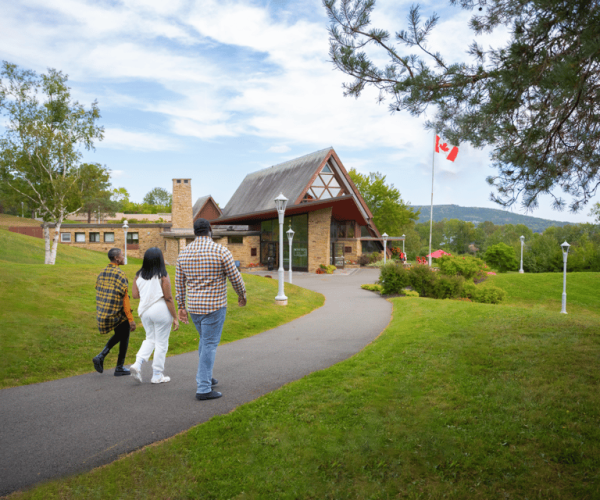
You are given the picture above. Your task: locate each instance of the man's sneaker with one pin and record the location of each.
(214, 381)
(136, 372)
(208, 395)
(159, 379)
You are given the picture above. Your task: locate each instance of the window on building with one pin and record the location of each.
(65, 237)
(109, 237)
(235, 240)
(79, 237)
(133, 238)
(253, 252)
(94, 237)
(325, 186)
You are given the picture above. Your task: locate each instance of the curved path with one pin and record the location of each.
(66, 426)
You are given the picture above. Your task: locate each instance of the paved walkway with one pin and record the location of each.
(72, 425)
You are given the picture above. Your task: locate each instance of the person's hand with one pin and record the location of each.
(183, 316)
(242, 301)
(132, 326)
(175, 324)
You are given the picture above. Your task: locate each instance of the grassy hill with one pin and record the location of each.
(10, 220)
(48, 315)
(477, 215)
(22, 249)
(454, 400)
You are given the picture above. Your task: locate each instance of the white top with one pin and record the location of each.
(150, 293)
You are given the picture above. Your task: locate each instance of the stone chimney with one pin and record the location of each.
(182, 204)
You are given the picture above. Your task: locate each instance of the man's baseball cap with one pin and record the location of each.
(201, 226)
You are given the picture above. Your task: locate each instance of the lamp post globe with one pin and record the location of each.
(522, 238)
(385, 238)
(290, 234)
(125, 228)
(565, 250)
(280, 204)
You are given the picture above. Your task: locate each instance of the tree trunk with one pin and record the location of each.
(89, 216)
(47, 254)
(55, 241)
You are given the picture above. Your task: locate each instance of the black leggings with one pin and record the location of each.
(120, 337)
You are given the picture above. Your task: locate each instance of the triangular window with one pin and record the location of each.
(326, 170)
(334, 191)
(318, 192)
(334, 183)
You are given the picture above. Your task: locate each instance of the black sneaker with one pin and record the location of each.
(208, 395)
(214, 381)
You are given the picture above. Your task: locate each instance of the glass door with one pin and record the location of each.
(337, 254)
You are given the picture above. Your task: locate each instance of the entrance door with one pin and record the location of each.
(269, 255)
(337, 254)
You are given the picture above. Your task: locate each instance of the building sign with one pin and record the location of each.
(300, 252)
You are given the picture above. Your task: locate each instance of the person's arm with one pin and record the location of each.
(127, 309)
(134, 289)
(165, 284)
(234, 276)
(180, 292)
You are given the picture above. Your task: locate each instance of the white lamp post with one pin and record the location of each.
(385, 237)
(522, 238)
(565, 250)
(290, 233)
(280, 204)
(403, 238)
(125, 228)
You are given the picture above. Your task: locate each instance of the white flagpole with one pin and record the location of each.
(431, 213)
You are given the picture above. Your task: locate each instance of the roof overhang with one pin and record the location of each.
(343, 208)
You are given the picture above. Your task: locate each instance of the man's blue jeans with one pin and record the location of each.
(210, 327)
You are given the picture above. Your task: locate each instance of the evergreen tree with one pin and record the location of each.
(535, 100)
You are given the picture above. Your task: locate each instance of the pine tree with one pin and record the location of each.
(536, 100)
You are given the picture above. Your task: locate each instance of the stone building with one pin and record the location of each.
(331, 221)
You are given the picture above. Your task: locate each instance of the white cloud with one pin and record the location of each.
(115, 138)
(279, 149)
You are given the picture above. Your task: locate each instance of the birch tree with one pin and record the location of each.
(41, 146)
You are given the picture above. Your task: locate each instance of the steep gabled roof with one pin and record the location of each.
(258, 190)
(201, 203)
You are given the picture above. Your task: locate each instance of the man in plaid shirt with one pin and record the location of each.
(201, 272)
(113, 311)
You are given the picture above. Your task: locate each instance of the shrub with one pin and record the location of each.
(466, 266)
(484, 294)
(373, 288)
(410, 293)
(422, 279)
(328, 268)
(447, 287)
(501, 257)
(393, 278)
(363, 260)
(375, 257)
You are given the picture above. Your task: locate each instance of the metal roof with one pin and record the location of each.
(258, 190)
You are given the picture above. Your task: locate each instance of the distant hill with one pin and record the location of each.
(477, 215)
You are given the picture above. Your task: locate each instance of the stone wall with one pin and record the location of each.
(148, 234)
(182, 204)
(319, 247)
(355, 246)
(243, 251)
(171, 250)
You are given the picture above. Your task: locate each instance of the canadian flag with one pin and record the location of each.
(450, 152)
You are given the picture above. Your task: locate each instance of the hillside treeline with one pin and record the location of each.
(542, 252)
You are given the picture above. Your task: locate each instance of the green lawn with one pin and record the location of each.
(454, 400)
(48, 315)
(22, 249)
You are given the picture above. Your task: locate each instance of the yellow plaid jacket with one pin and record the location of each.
(111, 287)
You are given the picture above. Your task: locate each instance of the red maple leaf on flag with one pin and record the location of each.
(450, 152)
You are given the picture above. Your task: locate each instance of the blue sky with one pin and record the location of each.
(214, 90)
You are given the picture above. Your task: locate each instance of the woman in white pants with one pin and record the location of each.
(157, 312)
